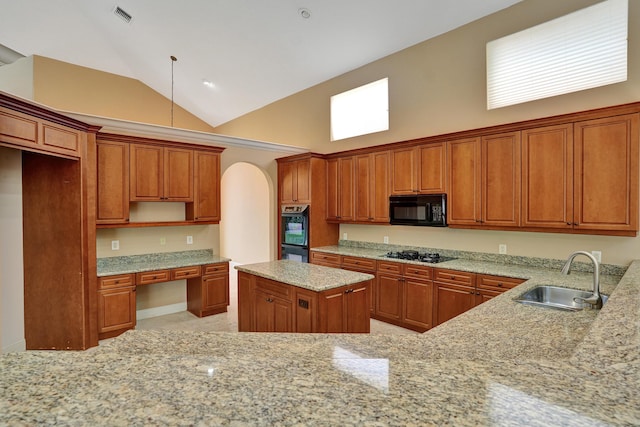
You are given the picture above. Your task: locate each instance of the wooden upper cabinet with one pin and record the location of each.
(372, 187)
(484, 181)
(340, 189)
(161, 173)
(419, 169)
(547, 177)
(113, 182)
(606, 173)
(295, 181)
(206, 177)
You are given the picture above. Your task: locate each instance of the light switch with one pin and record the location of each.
(189, 240)
(115, 245)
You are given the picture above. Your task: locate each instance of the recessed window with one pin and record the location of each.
(581, 50)
(360, 111)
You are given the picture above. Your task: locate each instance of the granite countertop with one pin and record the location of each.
(158, 261)
(501, 363)
(303, 275)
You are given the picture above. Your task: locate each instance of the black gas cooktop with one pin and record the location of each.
(431, 258)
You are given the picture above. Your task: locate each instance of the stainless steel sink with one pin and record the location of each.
(557, 297)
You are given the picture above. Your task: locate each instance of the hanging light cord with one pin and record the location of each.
(173, 59)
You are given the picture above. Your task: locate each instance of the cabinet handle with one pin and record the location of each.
(477, 293)
(452, 277)
(471, 292)
(269, 300)
(348, 291)
(499, 285)
(117, 281)
(568, 223)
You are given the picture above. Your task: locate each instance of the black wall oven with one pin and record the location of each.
(423, 209)
(294, 226)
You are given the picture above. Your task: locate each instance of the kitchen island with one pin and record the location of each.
(501, 363)
(290, 296)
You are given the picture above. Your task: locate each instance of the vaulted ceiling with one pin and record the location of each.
(253, 52)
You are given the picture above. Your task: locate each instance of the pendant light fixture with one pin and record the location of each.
(173, 59)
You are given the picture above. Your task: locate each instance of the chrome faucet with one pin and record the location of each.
(595, 299)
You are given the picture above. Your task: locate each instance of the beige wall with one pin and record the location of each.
(437, 87)
(11, 269)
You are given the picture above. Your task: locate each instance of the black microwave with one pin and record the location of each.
(423, 209)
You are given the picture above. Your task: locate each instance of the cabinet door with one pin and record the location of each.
(547, 177)
(113, 182)
(380, 187)
(404, 171)
(432, 168)
(332, 189)
(272, 314)
(116, 309)
(286, 176)
(245, 302)
(501, 180)
(389, 296)
(331, 315)
(147, 173)
(303, 181)
(418, 303)
(282, 315)
(178, 175)
(464, 201)
(606, 174)
(215, 291)
(206, 203)
(356, 310)
(452, 300)
(345, 189)
(363, 190)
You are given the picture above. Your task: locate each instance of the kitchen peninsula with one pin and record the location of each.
(290, 296)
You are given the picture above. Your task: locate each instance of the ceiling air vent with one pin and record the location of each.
(122, 14)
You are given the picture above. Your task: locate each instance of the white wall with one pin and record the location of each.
(246, 214)
(11, 266)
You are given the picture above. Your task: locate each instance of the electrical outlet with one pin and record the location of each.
(502, 248)
(115, 245)
(597, 255)
(163, 241)
(385, 239)
(344, 236)
(189, 240)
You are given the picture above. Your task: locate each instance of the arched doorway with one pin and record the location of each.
(246, 216)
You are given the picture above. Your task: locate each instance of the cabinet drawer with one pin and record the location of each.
(185, 272)
(119, 281)
(359, 263)
(455, 277)
(324, 258)
(497, 282)
(222, 267)
(390, 267)
(275, 288)
(418, 271)
(149, 277)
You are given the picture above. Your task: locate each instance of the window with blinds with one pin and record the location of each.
(581, 50)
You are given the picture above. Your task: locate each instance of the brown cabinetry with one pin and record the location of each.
(113, 182)
(269, 306)
(371, 189)
(362, 265)
(295, 181)
(161, 173)
(345, 309)
(484, 181)
(206, 188)
(116, 305)
(325, 259)
(340, 189)
(418, 169)
(209, 294)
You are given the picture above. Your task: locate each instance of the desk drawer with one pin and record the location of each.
(119, 281)
(149, 277)
(185, 272)
(219, 268)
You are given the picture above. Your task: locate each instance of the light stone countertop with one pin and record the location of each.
(501, 363)
(303, 275)
(112, 266)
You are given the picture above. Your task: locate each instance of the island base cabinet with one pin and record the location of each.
(345, 309)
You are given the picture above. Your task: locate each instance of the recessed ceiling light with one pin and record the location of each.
(207, 83)
(304, 13)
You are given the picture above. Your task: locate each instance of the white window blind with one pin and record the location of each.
(360, 111)
(581, 50)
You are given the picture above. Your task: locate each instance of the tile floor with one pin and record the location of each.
(228, 322)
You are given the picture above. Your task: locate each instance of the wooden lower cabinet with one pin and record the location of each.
(269, 306)
(457, 292)
(209, 293)
(116, 305)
